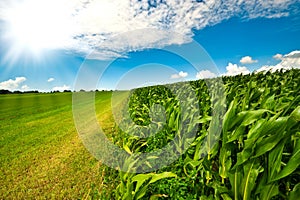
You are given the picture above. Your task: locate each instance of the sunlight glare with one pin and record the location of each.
(40, 24)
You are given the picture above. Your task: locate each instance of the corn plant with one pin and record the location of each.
(257, 155)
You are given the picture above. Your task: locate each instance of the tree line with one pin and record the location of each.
(26, 92)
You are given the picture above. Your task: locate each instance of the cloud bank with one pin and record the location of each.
(101, 25)
(13, 84)
(61, 88)
(288, 61)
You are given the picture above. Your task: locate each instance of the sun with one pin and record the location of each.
(36, 25)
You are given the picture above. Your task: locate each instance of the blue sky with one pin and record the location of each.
(40, 51)
(260, 38)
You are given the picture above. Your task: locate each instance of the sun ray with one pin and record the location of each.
(37, 25)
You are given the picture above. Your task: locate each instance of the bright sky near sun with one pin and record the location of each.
(43, 43)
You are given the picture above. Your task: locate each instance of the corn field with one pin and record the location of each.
(256, 155)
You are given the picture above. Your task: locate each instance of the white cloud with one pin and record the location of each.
(234, 69)
(291, 60)
(12, 84)
(50, 80)
(248, 60)
(25, 87)
(61, 88)
(181, 74)
(265, 68)
(278, 56)
(84, 25)
(205, 74)
(288, 61)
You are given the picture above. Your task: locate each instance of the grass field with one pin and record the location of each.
(41, 154)
(257, 156)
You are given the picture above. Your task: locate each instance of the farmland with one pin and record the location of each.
(257, 156)
(40, 151)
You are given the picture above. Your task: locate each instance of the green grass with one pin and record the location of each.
(41, 154)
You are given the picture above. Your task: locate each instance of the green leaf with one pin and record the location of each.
(141, 192)
(256, 128)
(204, 197)
(294, 194)
(129, 191)
(252, 116)
(218, 187)
(229, 116)
(157, 177)
(225, 162)
(292, 164)
(251, 171)
(193, 164)
(296, 114)
(267, 144)
(156, 196)
(140, 179)
(213, 135)
(204, 120)
(269, 191)
(243, 156)
(172, 120)
(269, 103)
(226, 197)
(274, 160)
(236, 133)
(271, 126)
(235, 181)
(126, 148)
(294, 117)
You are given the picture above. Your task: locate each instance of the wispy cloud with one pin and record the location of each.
(248, 60)
(102, 25)
(12, 84)
(50, 80)
(179, 75)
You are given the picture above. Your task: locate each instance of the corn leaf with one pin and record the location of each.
(292, 164)
(157, 177)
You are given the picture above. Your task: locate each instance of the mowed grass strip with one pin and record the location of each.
(41, 154)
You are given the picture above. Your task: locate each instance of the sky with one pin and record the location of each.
(50, 45)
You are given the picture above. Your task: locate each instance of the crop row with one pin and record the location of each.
(233, 138)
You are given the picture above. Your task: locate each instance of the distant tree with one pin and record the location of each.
(17, 92)
(67, 91)
(82, 90)
(5, 92)
(32, 91)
